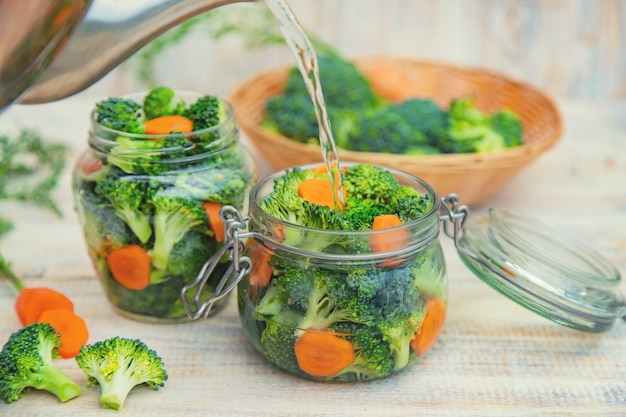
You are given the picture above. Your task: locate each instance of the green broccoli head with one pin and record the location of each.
(292, 115)
(508, 125)
(471, 130)
(224, 180)
(174, 216)
(118, 365)
(135, 155)
(206, 112)
(120, 114)
(284, 202)
(343, 84)
(102, 227)
(408, 204)
(162, 101)
(130, 199)
(372, 356)
(385, 131)
(398, 333)
(190, 253)
(366, 181)
(277, 341)
(27, 361)
(426, 116)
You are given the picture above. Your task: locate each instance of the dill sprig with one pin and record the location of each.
(30, 168)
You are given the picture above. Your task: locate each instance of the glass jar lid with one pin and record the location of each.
(542, 269)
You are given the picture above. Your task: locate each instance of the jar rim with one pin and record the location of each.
(103, 144)
(424, 229)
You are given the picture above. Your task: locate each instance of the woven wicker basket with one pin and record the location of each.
(474, 177)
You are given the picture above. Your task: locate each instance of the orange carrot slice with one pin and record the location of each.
(130, 266)
(72, 328)
(165, 125)
(261, 272)
(318, 191)
(430, 329)
(215, 222)
(31, 302)
(323, 353)
(388, 241)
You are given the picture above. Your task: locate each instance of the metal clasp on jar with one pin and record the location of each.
(235, 232)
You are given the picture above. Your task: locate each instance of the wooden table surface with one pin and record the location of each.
(494, 358)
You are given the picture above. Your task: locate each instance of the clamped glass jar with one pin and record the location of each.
(376, 312)
(387, 309)
(149, 213)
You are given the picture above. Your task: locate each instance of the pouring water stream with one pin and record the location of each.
(306, 59)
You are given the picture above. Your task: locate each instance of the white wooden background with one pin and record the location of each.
(569, 48)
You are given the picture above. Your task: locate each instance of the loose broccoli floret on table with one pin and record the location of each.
(27, 361)
(118, 365)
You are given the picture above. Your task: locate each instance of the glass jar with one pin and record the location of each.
(148, 212)
(375, 312)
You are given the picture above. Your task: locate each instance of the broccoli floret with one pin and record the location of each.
(508, 125)
(408, 204)
(426, 116)
(206, 112)
(471, 130)
(348, 96)
(293, 115)
(370, 190)
(190, 253)
(366, 181)
(134, 155)
(161, 101)
(173, 218)
(278, 338)
(130, 200)
(372, 356)
(343, 84)
(224, 181)
(102, 227)
(284, 202)
(120, 114)
(398, 334)
(385, 131)
(27, 361)
(118, 365)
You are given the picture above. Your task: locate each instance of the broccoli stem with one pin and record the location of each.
(114, 392)
(52, 379)
(401, 353)
(138, 223)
